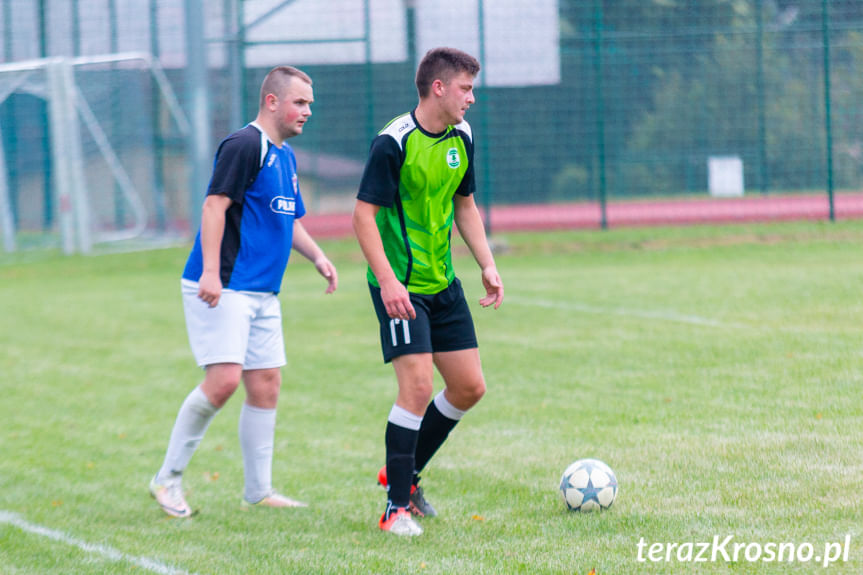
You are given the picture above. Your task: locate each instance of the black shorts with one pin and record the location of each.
(443, 323)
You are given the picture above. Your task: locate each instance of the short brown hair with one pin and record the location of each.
(442, 64)
(278, 79)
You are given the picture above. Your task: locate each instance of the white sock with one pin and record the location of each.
(446, 408)
(404, 418)
(257, 430)
(194, 417)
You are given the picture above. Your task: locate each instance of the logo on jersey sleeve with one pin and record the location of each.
(283, 205)
(452, 158)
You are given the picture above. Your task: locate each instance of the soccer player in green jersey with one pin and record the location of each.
(417, 182)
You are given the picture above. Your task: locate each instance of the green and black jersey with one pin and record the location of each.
(413, 175)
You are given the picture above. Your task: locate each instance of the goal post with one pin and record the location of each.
(69, 185)
(7, 223)
(101, 124)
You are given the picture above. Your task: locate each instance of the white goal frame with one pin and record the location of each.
(67, 111)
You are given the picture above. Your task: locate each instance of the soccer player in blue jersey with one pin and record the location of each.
(417, 182)
(250, 222)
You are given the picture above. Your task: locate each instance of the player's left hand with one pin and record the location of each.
(493, 287)
(326, 268)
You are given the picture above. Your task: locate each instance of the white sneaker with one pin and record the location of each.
(275, 499)
(399, 522)
(169, 496)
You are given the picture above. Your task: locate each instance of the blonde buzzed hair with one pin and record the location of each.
(277, 81)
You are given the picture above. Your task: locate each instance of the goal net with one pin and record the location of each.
(91, 152)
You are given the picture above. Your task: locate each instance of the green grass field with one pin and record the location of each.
(716, 369)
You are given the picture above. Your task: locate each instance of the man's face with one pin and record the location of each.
(457, 97)
(294, 108)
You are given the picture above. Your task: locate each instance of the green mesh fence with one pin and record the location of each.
(668, 85)
(611, 113)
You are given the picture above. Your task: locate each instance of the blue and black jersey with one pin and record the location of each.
(261, 180)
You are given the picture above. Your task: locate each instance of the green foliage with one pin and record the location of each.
(715, 369)
(570, 183)
(655, 88)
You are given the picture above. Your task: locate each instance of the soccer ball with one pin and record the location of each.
(588, 485)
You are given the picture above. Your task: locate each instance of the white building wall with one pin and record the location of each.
(520, 38)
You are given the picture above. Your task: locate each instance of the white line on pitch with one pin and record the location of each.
(107, 552)
(646, 314)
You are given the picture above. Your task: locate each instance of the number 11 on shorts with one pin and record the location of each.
(406, 330)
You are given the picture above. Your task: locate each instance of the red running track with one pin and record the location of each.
(641, 213)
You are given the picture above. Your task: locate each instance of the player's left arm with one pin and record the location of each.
(472, 230)
(309, 249)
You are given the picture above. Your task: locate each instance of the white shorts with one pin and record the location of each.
(245, 328)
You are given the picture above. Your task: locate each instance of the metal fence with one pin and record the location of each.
(615, 112)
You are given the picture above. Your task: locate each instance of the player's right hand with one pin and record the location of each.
(210, 288)
(397, 301)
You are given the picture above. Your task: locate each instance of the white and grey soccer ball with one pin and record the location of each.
(588, 485)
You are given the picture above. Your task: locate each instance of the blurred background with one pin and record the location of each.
(589, 113)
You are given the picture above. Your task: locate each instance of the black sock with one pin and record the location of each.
(433, 432)
(401, 445)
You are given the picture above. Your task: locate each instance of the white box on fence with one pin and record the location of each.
(725, 175)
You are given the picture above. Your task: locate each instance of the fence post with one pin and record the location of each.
(198, 109)
(762, 120)
(486, 157)
(48, 168)
(371, 126)
(828, 126)
(158, 143)
(600, 112)
(236, 35)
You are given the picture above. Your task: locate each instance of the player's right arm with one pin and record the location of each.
(378, 188)
(238, 161)
(212, 231)
(393, 293)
